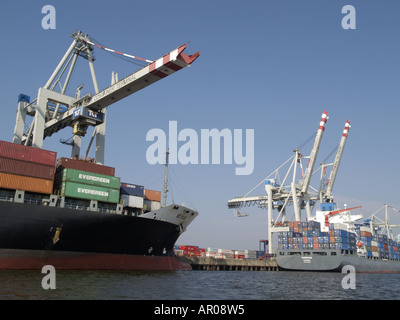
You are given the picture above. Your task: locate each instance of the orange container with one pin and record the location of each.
(152, 195)
(17, 182)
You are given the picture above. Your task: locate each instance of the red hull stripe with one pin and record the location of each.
(14, 259)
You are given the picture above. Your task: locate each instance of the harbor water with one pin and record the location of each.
(197, 285)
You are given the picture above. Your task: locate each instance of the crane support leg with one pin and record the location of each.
(19, 123)
(296, 203)
(268, 188)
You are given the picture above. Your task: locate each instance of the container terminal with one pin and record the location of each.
(330, 238)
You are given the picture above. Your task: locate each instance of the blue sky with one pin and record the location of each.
(271, 66)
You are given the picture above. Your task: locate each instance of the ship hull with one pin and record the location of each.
(333, 261)
(32, 236)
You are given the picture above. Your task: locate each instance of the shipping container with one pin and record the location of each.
(152, 195)
(17, 182)
(90, 178)
(132, 189)
(82, 191)
(29, 154)
(66, 163)
(131, 201)
(211, 254)
(29, 169)
(152, 205)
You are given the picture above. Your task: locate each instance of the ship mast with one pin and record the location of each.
(166, 178)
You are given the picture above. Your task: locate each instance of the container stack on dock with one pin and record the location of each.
(85, 180)
(307, 235)
(216, 253)
(26, 168)
(377, 246)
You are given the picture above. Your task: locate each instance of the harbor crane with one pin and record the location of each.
(385, 225)
(299, 193)
(53, 110)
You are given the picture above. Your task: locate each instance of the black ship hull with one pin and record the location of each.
(32, 236)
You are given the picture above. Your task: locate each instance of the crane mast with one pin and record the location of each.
(335, 167)
(314, 153)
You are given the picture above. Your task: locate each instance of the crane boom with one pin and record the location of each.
(332, 213)
(155, 71)
(314, 152)
(338, 158)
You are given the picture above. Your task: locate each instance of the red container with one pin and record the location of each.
(189, 248)
(82, 165)
(29, 154)
(152, 195)
(28, 169)
(305, 239)
(16, 182)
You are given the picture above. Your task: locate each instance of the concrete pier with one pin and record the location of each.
(209, 263)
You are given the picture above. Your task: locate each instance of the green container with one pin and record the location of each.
(89, 178)
(88, 192)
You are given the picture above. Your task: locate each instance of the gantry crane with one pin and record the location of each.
(377, 223)
(53, 110)
(300, 194)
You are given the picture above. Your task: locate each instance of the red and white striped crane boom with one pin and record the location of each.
(335, 167)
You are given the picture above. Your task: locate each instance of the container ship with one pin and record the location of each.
(76, 214)
(333, 237)
(316, 245)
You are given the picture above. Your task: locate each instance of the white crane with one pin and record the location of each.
(54, 110)
(280, 194)
(336, 163)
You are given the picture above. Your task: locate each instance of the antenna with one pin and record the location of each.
(166, 178)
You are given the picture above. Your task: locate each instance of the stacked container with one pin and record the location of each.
(64, 163)
(89, 186)
(377, 246)
(189, 251)
(152, 199)
(86, 180)
(132, 195)
(26, 168)
(307, 235)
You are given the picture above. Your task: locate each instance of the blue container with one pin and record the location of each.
(132, 189)
(341, 233)
(327, 206)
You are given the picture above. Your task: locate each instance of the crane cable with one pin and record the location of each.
(114, 51)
